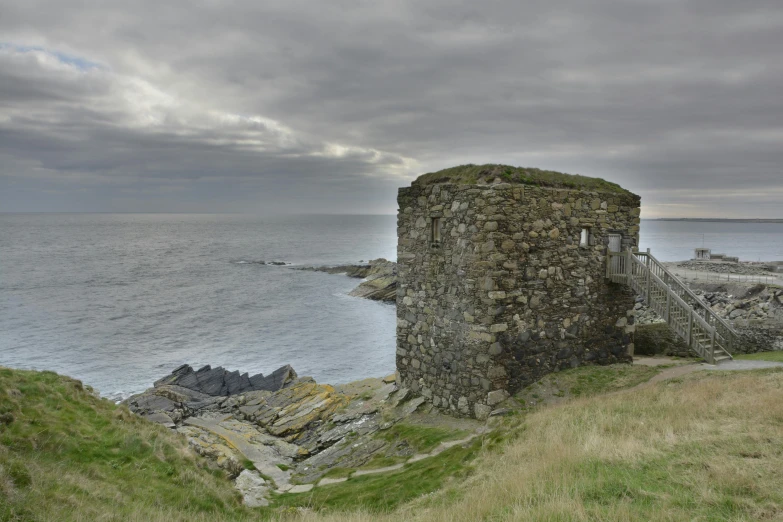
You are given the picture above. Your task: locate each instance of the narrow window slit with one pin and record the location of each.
(584, 239)
(435, 231)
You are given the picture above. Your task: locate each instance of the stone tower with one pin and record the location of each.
(502, 280)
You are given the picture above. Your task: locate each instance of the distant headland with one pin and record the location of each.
(724, 220)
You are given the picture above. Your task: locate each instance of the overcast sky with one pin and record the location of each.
(313, 106)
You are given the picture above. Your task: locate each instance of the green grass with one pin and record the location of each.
(66, 454)
(594, 380)
(584, 381)
(338, 473)
(380, 461)
(422, 438)
(470, 174)
(776, 356)
(386, 491)
(678, 477)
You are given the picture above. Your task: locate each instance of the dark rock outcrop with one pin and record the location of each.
(360, 271)
(219, 382)
(380, 278)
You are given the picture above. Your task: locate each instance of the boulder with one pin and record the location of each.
(736, 313)
(253, 488)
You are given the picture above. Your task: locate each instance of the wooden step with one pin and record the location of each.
(671, 299)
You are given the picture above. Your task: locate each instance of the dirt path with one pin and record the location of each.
(679, 371)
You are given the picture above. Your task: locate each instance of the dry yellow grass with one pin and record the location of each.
(709, 447)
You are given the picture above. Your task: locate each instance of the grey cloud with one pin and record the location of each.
(669, 98)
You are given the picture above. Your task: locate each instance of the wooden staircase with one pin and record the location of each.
(694, 322)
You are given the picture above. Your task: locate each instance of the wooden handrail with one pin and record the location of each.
(688, 291)
(645, 274)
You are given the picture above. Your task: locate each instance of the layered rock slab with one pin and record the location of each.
(221, 382)
(290, 412)
(302, 430)
(265, 452)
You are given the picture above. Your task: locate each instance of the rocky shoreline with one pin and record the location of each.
(283, 433)
(380, 278)
(718, 267)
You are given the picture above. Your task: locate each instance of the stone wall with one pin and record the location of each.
(507, 294)
(659, 339)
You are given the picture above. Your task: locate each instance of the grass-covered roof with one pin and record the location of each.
(471, 174)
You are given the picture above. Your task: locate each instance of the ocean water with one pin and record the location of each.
(119, 300)
(675, 240)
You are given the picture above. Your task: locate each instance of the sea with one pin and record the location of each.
(120, 300)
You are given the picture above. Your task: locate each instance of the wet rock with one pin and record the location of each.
(378, 288)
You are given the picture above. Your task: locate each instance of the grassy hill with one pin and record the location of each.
(67, 455)
(707, 446)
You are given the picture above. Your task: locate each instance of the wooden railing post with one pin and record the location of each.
(649, 277)
(621, 268)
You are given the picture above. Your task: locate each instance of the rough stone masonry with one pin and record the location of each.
(502, 280)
